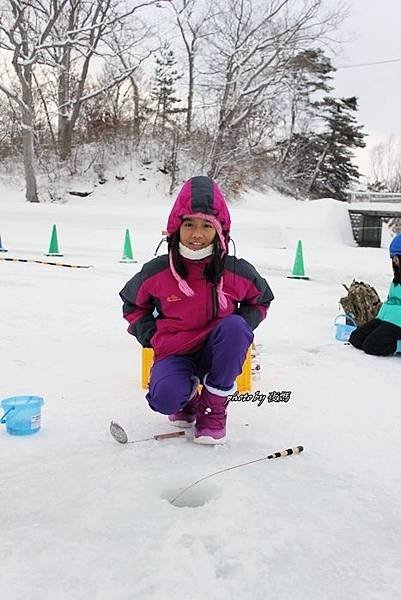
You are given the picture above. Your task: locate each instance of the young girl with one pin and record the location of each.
(380, 335)
(196, 307)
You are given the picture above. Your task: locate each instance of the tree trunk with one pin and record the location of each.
(164, 115)
(291, 133)
(64, 122)
(223, 122)
(216, 152)
(317, 168)
(31, 192)
(49, 123)
(65, 126)
(190, 92)
(137, 118)
(174, 153)
(64, 137)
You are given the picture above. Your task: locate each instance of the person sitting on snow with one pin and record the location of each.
(207, 304)
(380, 335)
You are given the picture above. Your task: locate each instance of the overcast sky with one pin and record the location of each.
(374, 30)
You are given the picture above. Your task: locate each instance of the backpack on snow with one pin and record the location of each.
(362, 302)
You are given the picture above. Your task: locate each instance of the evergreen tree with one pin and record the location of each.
(163, 91)
(308, 74)
(334, 170)
(316, 156)
(308, 77)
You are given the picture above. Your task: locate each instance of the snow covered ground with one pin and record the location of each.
(84, 517)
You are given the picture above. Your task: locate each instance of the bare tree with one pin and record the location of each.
(251, 52)
(132, 46)
(193, 23)
(24, 31)
(86, 33)
(10, 118)
(385, 165)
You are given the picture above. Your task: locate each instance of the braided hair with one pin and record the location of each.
(213, 270)
(397, 270)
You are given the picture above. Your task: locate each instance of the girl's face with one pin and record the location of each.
(396, 261)
(196, 233)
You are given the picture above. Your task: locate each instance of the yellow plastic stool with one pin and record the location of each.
(244, 379)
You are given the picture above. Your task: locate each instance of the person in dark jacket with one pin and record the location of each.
(380, 336)
(197, 308)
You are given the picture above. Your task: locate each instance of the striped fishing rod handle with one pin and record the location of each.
(287, 452)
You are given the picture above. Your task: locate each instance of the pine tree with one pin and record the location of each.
(334, 170)
(308, 74)
(163, 91)
(316, 156)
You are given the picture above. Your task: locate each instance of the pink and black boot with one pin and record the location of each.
(186, 416)
(211, 415)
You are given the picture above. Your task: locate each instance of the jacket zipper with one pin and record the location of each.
(214, 301)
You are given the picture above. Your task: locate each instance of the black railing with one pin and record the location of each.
(373, 197)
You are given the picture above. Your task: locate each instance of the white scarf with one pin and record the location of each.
(195, 254)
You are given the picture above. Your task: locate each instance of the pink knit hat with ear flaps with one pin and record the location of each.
(201, 197)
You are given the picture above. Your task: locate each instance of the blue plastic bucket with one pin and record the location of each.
(344, 330)
(22, 414)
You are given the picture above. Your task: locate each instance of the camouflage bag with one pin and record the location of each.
(362, 302)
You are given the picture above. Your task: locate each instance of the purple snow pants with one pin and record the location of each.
(222, 356)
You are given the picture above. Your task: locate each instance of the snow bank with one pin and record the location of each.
(276, 222)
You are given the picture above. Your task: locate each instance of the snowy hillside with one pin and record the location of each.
(84, 517)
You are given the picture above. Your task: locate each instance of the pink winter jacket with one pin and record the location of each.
(162, 317)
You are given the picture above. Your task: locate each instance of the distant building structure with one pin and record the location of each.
(368, 211)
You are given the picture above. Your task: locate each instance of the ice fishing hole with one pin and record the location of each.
(195, 497)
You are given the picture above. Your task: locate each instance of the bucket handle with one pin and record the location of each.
(347, 317)
(3, 419)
